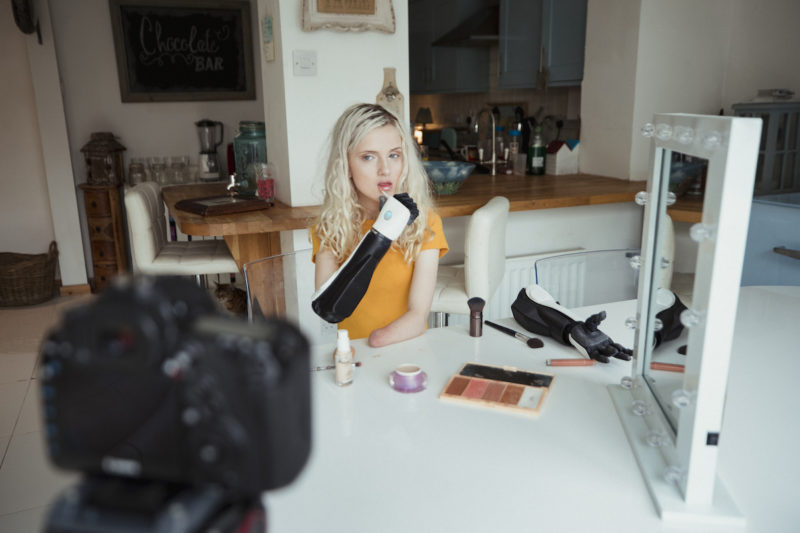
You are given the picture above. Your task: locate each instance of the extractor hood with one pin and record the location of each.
(479, 29)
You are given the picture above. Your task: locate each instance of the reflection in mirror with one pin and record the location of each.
(673, 419)
(684, 176)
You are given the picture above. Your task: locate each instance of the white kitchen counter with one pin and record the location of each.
(383, 461)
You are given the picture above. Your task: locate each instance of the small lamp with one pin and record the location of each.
(424, 116)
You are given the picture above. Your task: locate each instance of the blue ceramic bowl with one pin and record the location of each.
(446, 176)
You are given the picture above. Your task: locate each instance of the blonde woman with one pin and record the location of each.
(377, 241)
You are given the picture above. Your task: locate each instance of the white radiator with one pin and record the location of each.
(519, 274)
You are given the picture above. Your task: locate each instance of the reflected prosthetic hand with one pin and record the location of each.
(537, 311)
(670, 309)
(341, 294)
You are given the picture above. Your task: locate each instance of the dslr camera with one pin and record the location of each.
(178, 416)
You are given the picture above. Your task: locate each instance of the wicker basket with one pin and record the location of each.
(27, 279)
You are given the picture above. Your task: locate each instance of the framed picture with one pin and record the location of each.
(183, 50)
(348, 15)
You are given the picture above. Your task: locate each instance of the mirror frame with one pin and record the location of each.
(680, 468)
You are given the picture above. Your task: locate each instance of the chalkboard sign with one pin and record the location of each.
(183, 50)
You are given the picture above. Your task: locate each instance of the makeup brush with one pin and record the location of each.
(533, 342)
(476, 316)
(330, 367)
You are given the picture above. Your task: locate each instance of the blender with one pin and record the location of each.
(209, 141)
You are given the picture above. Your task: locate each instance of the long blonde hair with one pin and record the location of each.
(339, 224)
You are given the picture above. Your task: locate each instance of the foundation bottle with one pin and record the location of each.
(343, 359)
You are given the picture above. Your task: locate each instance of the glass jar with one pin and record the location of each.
(249, 148)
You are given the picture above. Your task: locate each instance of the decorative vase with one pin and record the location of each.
(390, 96)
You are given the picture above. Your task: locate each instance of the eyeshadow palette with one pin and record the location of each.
(499, 387)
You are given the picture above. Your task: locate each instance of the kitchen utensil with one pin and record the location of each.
(209, 141)
(533, 342)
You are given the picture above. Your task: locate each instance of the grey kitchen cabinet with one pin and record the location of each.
(541, 39)
(564, 40)
(439, 69)
(520, 43)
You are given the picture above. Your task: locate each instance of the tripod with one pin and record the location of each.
(120, 505)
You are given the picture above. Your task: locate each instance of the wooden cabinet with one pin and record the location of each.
(106, 233)
(541, 40)
(437, 69)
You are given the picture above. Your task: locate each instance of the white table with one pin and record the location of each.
(383, 461)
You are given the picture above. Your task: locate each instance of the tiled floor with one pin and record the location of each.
(28, 482)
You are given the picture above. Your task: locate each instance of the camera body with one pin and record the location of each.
(150, 381)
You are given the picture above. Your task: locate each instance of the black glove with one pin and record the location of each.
(595, 344)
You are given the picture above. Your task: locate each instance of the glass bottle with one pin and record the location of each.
(536, 153)
(343, 359)
(249, 148)
(514, 140)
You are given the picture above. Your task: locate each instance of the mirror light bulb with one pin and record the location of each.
(673, 474)
(702, 232)
(664, 132)
(641, 198)
(648, 130)
(640, 408)
(681, 398)
(671, 198)
(656, 438)
(711, 140)
(691, 318)
(684, 135)
(631, 322)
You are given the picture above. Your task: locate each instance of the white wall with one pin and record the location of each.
(607, 91)
(301, 110)
(764, 49)
(26, 220)
(680, 66)
(92, 101)
(676, 56)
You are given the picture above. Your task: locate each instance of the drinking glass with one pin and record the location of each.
(265, 181)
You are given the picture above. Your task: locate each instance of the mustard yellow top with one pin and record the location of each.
(386, 298)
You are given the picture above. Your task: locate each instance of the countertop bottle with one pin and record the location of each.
(514, 140)
(536, 153)
(343, 359)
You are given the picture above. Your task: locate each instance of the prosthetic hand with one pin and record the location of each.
(341, 294)
(670, 309)
(537, 311)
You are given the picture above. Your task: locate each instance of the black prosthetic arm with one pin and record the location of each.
(341, 294)
(670, 316)
(348, 286)
(541, 319)
(537, 311)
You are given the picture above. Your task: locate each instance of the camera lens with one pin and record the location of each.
(117, 342)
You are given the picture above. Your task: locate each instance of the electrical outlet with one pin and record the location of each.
(305, 62)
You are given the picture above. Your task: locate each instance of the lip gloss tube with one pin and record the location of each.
(570, 362)
(667, 367)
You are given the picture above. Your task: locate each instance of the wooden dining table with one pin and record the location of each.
(255, 234)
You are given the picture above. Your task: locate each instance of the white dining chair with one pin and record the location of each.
(152, 253)
(484, 263)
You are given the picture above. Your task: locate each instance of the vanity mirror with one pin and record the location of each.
(673, 419)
